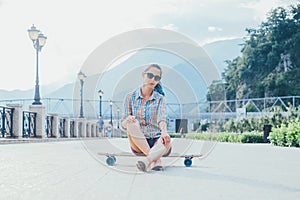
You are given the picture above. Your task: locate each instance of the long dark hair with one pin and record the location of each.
(158, 88)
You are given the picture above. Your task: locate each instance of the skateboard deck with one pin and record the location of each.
(111, 157)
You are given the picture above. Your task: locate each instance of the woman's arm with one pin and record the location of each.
(162, 123)
(164, 135)
(127, 115)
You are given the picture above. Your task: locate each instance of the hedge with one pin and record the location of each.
(228, 137)
(286, 135)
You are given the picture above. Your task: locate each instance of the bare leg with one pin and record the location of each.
(137, 139)
(157, 151)
(153, 158)
(139, 143)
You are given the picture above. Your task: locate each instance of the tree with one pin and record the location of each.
(270, 61)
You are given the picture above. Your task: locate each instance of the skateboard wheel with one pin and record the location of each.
(188, 162)
(110, 160)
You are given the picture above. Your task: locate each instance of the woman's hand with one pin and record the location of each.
(130, 119)
(166, 139)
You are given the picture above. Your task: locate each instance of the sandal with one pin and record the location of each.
(157, 168)
(141, 166)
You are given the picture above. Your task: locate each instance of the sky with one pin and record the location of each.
(74, 28)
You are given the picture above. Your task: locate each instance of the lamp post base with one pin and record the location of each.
(37, 103)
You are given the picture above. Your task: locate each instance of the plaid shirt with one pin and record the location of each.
(148, 113)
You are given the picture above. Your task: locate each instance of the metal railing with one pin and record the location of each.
(70, 107)
(72, 128)
(62, 127)
(255, 104)
(49, 126)
(6, 122)
(29, 124)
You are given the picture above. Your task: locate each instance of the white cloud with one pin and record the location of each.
(214, 28)
(262, 7)
(216, 39)
(170, 27)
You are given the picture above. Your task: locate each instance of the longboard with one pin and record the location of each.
(111, 157)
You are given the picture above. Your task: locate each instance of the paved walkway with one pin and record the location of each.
(73, 170)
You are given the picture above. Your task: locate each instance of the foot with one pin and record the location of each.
(141, 166)
(157, 166)
(145, 165)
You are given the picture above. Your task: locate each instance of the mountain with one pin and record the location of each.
(177, 73)
(16, 94)
(64, 92)
(221, 51)
(182, 82)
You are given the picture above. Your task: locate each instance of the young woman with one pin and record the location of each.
(144, 120)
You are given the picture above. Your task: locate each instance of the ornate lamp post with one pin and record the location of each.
(110, 104)
(118, 117)
(100, 93)
(38, 40)
(81, 77)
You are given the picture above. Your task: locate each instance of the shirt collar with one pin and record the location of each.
(139, 94)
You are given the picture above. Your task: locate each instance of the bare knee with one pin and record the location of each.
(168, 151)
(132, 126)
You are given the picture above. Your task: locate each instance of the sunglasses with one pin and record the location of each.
(150, 76)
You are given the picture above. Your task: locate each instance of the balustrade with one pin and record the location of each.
(6, 122)
(29, 124)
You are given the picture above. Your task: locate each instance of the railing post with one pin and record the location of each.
(88, 129)
(92, 129)
(95, 129)
(49, 129)
(98, 134)
(293, 102)
(40, 119)
(2, 130)
(17, 120)
(76, 128)
(67, 127)
(55, 125)
(81, 126)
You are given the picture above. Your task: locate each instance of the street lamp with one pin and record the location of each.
(118, 110)
(100, 93)
(111, 103)
(81, 77)
(38, 40)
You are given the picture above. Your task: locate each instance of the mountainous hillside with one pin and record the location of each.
(221, 51)
(117, 81)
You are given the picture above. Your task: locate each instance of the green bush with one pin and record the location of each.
(293, 132)
(233, 137)
(202, 136)
(229, 137)
(252, 138)
(223, 137)
(286, 135)
(175, 135)
(277, 135)
(276, 119)
(298, 139)
(290, 137)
